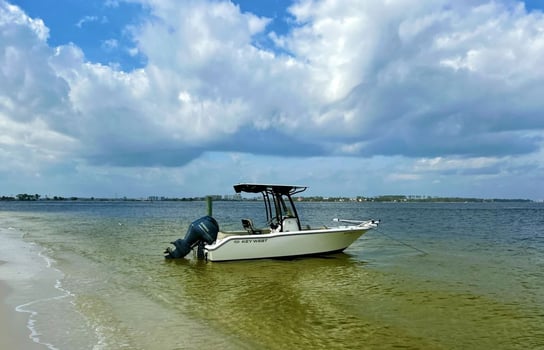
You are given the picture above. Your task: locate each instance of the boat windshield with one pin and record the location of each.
(286, 213)
(286, 207)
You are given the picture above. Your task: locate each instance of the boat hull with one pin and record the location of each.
(283, 244)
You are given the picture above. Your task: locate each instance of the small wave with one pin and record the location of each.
(48, 261)
(32, 307)
(26, 308)
(34, 334)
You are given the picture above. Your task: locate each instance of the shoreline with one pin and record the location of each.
(14, 333)
(21, 278)
(36, 311)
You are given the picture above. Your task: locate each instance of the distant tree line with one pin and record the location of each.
(403, 198)
(28, 197)
(21, 197)
(33, 197)
(385, 198)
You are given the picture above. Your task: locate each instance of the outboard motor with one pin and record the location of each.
(202, 230)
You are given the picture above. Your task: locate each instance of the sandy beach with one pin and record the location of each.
(19, 270)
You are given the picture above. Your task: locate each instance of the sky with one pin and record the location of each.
(172, 98)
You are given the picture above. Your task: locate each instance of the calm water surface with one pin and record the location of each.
(433, 276)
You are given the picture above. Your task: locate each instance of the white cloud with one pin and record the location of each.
(13, 15)
(32, 97)
(349, 75)
(90, 19)
(85, 20)
(110, 44)
(448, 164)
(449, 85)
(34, 145)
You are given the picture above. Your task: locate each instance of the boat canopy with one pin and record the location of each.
(279, 206)
(275, 189)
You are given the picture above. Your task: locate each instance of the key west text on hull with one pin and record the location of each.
(283, 236)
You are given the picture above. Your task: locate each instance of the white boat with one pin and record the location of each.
(283, 237)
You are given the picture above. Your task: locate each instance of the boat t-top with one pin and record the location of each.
(283, 236)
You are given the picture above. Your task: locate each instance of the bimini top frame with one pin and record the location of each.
(275, 196)
(277, 189)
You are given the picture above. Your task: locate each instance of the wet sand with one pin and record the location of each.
(19, 264)
(14, 333)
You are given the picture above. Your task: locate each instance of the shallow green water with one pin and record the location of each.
(476, 282)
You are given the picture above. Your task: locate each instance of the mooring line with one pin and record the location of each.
(401, 242)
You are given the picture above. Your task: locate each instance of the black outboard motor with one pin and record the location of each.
(202, 230)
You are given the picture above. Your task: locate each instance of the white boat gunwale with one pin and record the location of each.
(340, 229)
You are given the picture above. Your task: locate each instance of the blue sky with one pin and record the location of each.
(186, 98)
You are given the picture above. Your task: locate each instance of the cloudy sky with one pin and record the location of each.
(186, 98)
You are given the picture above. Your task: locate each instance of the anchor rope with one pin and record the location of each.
(401, 242)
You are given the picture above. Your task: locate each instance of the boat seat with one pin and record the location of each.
(248, 226)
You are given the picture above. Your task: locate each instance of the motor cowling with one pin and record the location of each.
(204, 229)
